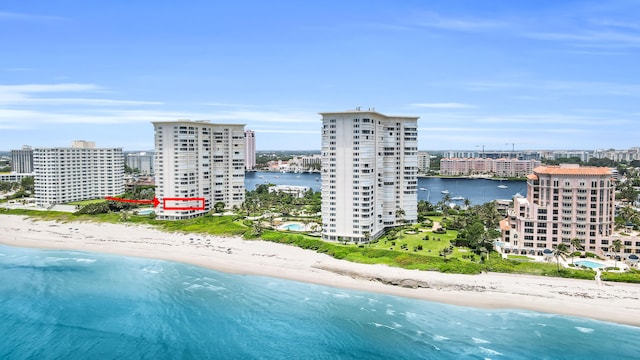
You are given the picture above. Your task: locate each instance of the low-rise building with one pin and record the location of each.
(502, 167)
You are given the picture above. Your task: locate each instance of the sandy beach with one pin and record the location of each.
(614, 302)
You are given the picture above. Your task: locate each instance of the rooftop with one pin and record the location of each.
(570, 169)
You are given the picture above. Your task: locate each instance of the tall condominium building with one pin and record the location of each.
(369, 173)
(63, 175)
(142, 161)
(250, 149)
(563, 202)
(22, 160)
(424, 162)
(198, 159)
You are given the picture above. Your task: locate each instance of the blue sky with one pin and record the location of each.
(498, 74)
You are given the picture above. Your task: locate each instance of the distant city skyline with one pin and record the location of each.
(535, 75)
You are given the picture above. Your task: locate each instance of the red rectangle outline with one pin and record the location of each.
(165, 207)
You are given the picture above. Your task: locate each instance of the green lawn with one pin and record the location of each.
(520, 257)
(431, 243)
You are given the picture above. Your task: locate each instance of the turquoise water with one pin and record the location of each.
(292, 227)
(590, 264)
(76, 305)
(145, 212)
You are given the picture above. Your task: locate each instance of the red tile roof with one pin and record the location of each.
(583, 170)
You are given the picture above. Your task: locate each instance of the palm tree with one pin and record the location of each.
(628, 213)
(466, 203)
(576, 245)
(560, 251)
(257, 227)
(445, 252)
(617, 246)
(400, 216)
(366, 236)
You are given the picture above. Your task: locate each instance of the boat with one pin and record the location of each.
(445, 191)
(502, 186)
(457, 198)
(261, 176)
(423, 189)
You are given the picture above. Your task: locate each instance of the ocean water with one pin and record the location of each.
(77, 305)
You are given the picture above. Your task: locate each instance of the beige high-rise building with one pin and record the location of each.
(369, 173)
(563, 202)
(198, 160)
(63, 175)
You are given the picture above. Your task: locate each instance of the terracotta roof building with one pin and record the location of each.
(563, 202)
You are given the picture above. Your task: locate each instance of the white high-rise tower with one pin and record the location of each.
(197, 160)
(369, 173)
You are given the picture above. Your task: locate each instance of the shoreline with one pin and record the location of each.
(612, 302)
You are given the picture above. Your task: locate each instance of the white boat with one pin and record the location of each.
(261, 176)
(445, 191)
(457, 198)
(502, 186)
(423, 189)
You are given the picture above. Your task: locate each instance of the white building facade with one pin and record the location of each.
(198, 160)
(143, 161)
(22, 160)
(369, 173)
(424, 162)
(250, 149)
(62, 175)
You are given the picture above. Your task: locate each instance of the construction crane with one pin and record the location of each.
(513, 149)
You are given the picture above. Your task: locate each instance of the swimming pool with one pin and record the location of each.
(145, 212)
(590, 264)
(292, 227)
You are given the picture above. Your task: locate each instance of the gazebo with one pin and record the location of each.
(547, 254)
(632, 259)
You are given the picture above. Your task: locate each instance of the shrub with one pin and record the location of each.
(94, 209)
(630, 277)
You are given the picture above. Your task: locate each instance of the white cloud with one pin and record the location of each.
(445, 105)
(434, 20)
(84, 101)
(229, 105)
(9, 15)
(47, 88)
(265, 116)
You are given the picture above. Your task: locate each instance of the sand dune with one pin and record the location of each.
(615, 302)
